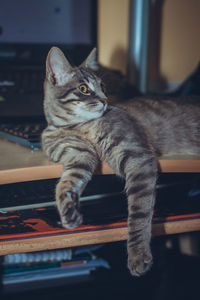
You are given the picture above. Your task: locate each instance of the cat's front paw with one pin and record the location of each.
(68, 209)
(139, 263)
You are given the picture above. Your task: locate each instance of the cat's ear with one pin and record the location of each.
(58, 69)
(91, 61)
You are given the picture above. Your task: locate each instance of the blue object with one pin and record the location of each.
(20, 140)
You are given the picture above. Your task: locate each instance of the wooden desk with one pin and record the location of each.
(19, 164)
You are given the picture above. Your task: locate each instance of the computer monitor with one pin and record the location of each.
(28, 28)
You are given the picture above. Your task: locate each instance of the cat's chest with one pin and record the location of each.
(106, 131)
(97, 132)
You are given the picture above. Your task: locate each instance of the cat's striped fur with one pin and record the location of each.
(83, 130)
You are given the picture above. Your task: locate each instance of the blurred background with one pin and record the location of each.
(173, 39)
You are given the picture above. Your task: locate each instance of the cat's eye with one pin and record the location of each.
(83, 88)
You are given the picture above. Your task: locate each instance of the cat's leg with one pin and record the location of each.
(140, 189)
(79, 160)
(140, 174)
(75, 176)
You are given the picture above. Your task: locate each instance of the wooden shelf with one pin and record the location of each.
(86, 235)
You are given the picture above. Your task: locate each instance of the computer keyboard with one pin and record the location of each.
(21, 88)
(23, 79)
(103, 198)
(26, 193)
(27, 134)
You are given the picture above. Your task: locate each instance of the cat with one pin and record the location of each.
(83, 129)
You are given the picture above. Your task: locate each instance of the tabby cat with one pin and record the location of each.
(83, 130)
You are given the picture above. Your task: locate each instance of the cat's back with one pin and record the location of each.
(163, 110)
(173, 124)
(160, 105)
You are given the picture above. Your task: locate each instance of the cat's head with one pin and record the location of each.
(72, 94)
